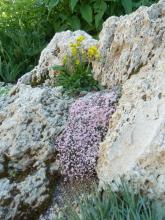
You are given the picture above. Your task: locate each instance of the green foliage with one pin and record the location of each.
(109, 205)
(89, 14)
(19, 51)
(79, 80)
(26, 26)
(75, 75)
(22, 37)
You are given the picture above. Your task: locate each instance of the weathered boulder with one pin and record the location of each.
(134, 148)
(53, 54)
(29, 122)
(128, 43)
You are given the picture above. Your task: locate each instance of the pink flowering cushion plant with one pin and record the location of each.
(78, 144)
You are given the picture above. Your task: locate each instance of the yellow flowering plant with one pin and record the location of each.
(75, 75)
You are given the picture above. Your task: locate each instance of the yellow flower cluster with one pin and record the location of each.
(78, 53)
(80, 39)
(75, 46)
(93, 52)
(73, 49)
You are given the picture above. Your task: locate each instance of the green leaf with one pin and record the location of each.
(136, 5)
(100, 8)
(58, 68)
(86, 12)
(75, 22)
(52, 4)
(73, 4)
(127, 4)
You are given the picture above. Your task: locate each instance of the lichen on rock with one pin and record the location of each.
(29, 122)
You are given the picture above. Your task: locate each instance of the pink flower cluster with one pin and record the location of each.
(78, 144)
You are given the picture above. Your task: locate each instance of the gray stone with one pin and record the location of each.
(29, 121)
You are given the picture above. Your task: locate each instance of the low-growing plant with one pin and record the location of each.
(75, 75)
(78, 144)
(109, 205)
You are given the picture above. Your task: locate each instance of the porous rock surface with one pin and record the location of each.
(29, 122)
(53, 54)
(134, 148)
(128, 43)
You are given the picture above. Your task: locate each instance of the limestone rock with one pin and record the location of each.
(29, 122)
(53, 54)
(135, 144)
(128, 43)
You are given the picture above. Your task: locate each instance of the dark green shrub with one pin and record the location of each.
(26, 26)
(19, 52)
(88, 15)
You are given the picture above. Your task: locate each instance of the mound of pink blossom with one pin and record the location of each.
(78, 144)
